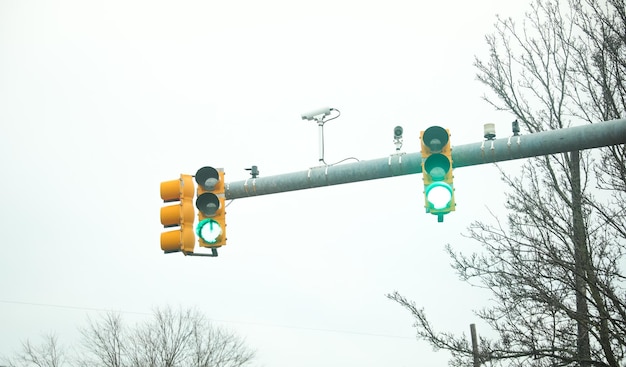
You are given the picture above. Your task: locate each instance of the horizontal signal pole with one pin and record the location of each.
(588, 136)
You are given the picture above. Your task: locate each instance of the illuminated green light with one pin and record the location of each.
(209, 230)
(439, 195)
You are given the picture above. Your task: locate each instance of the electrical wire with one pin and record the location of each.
(322, 122)
(337, 331)
(338, 114)
(343, 160)
(71, 307)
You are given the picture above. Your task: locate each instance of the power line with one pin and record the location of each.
(71, 307)
(292, 327)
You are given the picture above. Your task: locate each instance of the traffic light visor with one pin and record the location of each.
(207, 177)
(175, 190)
(208, 204)
(435, 138)
(437, 166)
(174, 215)
(174, 241)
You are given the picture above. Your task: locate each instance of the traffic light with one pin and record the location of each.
(211, 228)
(437, 171)
(178, 215)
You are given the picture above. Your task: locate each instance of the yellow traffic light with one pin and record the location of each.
(178, 215)
(211, 228)
(437, 171)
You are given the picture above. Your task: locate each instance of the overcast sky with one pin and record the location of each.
(100, 101)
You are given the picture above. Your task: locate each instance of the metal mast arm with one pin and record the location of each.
(515, 147)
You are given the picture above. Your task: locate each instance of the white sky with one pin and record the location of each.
(101, 101)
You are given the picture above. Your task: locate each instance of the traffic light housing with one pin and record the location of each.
(179, 215)
(437, 171)
(211, 228)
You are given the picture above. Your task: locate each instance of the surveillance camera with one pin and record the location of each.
(397, 132)
(317, 114)
(515, 127)
(397, 137)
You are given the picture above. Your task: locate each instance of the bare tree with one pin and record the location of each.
(48, 354)
(171, 339)
(182, 338)
(214, 347)
(104, 340)
(553, 266)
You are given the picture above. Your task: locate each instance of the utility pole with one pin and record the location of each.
(490, 151)
(474, 345)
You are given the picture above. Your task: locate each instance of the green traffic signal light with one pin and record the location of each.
(209, 230)
(439, 195)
